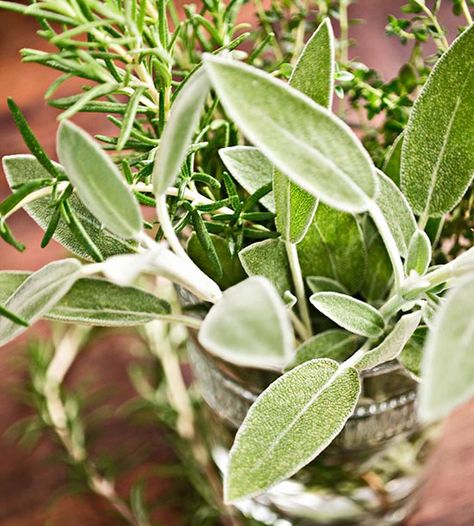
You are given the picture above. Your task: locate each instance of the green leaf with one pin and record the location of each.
(233, 272)
(268, 259)
(391, 165)
(322, 284)
(325, 252)
(38, 294)
(249, 326)
(397, 212)
(419, 253)
(412, 354)
(438, 149)
(393, 344)
(179, 130)
(98, 181)
(313, 76)
(129, 117)
(23, 168)
(291, 422)
(251, 169)
(97, 302)
(307, 143)
(351, 314)
(335, 344)
(447, 371)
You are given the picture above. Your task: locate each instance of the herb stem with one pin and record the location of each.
(299, 286)
(466, 12)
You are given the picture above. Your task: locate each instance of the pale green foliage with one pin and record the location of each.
(307, 143)
(178, 132)
(95, 302)
(313, 76)
(393, 344)
(249, 326)
(38, 294)
(412, 353)
(397, 212)
(20, 169)
(419, 253)
(268, 259)
(391, 166)
(97, 181)
(251, 169)
(324, 252)
(438, 149)
(351, 314)
(323, 284)
(335, 344)
(448, 365)
(291, 422)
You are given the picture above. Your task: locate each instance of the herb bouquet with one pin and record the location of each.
(309, 278)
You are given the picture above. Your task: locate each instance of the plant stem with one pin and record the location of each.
(299, 286)
(168, 229)
(466, 12)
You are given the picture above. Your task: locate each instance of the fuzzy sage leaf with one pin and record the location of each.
(290, 423)
(419, 253)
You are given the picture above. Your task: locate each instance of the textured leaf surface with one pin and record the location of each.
(325, 252)
(268, 259)
(20, 169)
(313, 76)
(98, 181)
(322, 284)
(393, 344)
(391, 166)
(38, 294)
(291, 422)
(251, 169)
(232, 271)
(249, 326)
(178, 133)
(412, 354)
(419, 253)
(448, 361)
(438, 149)
(335, 344)
(307, 143)
(96, 302)
(397, 212)
(351, 314)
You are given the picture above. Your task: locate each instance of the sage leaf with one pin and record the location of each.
(233, 272)
(249, 326)
(251, 169)
(447, 370)
(38, 294)
(20, 169)
(306, 142)
(268, 259)
(290, 423)
(335, 344)
(397, 212)
(438, 150)
(419, 253)
(350, 313)
(97, 302)
(313, 76)
(325, 252)
(323, 284)
(393, 344)
(412, 353)
(178, 132)
(98, 181)
(391, 165)
(12, 317)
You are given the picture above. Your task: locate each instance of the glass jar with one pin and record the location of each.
(369, 475)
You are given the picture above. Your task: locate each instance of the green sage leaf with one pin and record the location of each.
(307, 143)
(438, 149)
(38, 294)
(251, 169)
(351, 314)
(393, 344)
(419, 253)
(249, 326)
(98, 181)
(412, 353)
(391, 165)
(313, 76)
(323, 284)
(179, 130)
(447, 371)
(268, 259)
(290, 423)
(23, 168)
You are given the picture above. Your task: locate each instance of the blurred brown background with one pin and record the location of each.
(30, 486)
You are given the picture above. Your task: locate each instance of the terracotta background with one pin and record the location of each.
(30, 484)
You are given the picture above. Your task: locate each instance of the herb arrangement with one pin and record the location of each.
(313, 253)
